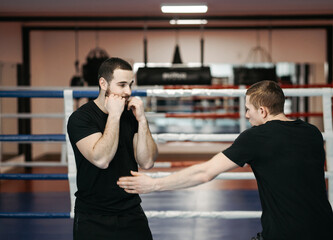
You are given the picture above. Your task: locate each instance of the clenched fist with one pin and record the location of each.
(136, 105)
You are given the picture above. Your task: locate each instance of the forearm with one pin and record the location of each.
(185, 178)
(106, 147)
(195, 175)
(146, 149)
(188, 177)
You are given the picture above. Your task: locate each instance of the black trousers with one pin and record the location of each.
(132, 225)
(258, 237)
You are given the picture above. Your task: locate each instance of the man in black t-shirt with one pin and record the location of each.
(110, 137)
(287, 158)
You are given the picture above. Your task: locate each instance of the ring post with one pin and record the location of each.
(242, 113)
(328, 130)
(68, 101)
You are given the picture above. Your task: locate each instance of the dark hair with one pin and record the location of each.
(108, 67)
(267, 94)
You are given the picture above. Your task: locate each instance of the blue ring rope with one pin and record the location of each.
(34, 215)
(58, 93)
(28, 176)
(83, 94)
(32, 137)
(32, 93)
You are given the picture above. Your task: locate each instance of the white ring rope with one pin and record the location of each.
(166, 137)
(33, 164)
(182, 137)
(198, 214)
(168, 93)
(225, 175)
(162, 165)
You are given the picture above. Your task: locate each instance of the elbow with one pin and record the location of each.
(203, 173)
(149, 162)
(147, 165)
(204, 177)
(102, 166)
(101, 163)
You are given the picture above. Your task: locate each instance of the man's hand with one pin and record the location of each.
(115, 104)
(138, 183)
(137, 107)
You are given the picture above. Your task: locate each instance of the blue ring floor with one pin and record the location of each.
(162, 229)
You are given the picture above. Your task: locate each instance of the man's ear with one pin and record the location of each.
(103, 83)
(263, 111)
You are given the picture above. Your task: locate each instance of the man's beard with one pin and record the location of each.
(108, 92)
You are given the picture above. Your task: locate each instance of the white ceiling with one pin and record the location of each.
(149, 8)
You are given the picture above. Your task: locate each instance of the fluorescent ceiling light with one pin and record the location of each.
(188, 21)
(168, 8)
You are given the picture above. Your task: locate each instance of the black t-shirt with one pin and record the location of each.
(287, 159)
(98, 191)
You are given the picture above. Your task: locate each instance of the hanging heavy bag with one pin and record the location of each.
(94, 60)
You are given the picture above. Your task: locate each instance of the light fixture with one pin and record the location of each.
(188, 21)
(184, 8)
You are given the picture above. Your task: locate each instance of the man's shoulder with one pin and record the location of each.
(247, 134)
(312, 129)
(81, 121)
(83, 112)
(251, 130)
(85, 108)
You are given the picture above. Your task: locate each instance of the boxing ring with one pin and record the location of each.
(69, 95)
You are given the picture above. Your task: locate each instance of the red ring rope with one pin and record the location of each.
(237, 87)
(232, 115)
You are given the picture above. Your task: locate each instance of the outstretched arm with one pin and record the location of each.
(188, 177)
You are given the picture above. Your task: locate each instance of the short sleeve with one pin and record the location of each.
(243, 149)
(80, 125)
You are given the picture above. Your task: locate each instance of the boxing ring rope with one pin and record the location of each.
(70, 94)
(205, 115)
(55, 176)
(151, 214)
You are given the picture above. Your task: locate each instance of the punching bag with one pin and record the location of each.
(94, 60)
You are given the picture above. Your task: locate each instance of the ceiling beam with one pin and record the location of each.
(295, 17)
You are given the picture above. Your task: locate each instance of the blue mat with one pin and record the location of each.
(162, 229)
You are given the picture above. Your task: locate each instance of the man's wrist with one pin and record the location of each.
(114, 117)
(156, 185)
(143, 121)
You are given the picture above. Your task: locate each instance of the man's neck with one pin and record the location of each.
(99, 101)
(280, 117)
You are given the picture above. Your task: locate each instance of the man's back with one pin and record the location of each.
(287, 158)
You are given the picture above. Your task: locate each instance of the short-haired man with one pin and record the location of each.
(110, 137)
